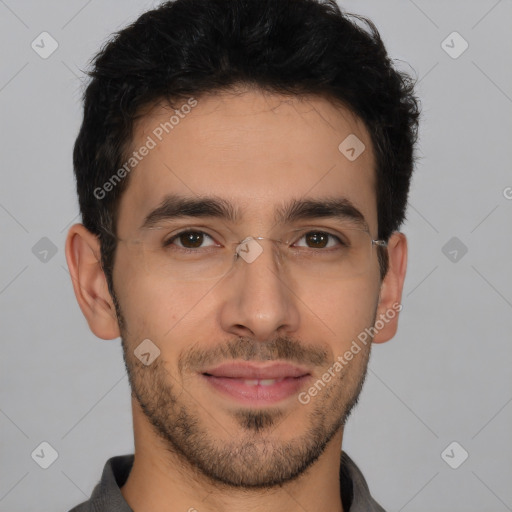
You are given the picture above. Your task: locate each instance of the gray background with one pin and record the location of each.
(445, 376)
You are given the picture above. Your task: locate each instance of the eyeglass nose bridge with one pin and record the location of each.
(249, 249)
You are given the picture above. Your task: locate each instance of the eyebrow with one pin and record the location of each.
(174, 206)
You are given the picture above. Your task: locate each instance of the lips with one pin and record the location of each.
(249, 371)
(253, 384)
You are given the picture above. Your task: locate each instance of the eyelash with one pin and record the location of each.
(169, 241)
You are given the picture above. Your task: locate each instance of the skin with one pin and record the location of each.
(195, 448)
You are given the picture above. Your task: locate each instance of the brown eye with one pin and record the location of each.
(191, 239)
(320, 240)
(317, 240)
(188, 239)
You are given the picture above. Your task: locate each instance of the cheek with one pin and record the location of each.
(157, 309)
(341, 312)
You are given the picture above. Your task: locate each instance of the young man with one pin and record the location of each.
(242, 170)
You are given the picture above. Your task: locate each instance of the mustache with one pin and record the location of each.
(246, 349)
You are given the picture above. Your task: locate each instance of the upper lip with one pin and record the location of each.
(245, 370)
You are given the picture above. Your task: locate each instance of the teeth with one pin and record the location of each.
(262, 382)
(268, 382)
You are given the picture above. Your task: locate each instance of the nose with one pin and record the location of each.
(257, 297)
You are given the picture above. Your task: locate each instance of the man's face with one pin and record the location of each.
(257, 152)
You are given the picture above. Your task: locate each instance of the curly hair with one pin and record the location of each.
(188, 48)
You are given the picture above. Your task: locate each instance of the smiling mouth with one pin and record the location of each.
(253, 384)
(256, 382)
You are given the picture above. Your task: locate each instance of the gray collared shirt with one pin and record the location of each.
(107, 497)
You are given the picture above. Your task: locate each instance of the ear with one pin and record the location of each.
(386, 322)
(89, 282)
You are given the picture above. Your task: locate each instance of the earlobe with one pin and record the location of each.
(386, 322)
(89, 282)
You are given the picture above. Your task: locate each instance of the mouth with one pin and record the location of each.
(253, 384)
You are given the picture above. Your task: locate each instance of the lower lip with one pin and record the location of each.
(257, 394)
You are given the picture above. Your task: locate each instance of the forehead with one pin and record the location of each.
(255, 150)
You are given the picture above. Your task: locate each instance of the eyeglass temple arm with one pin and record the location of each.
(382, 243)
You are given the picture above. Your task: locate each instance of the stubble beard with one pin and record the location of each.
(254, 458)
